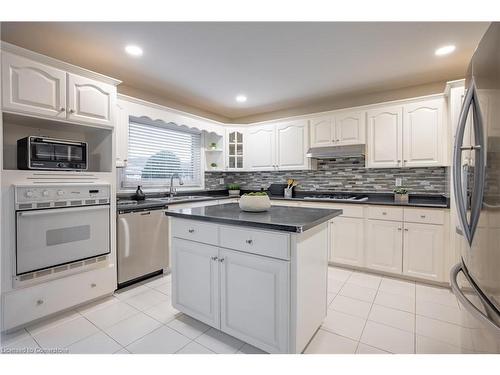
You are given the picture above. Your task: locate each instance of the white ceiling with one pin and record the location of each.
(277, 65)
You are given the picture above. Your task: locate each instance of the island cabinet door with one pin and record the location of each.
(255, 304)
(195, 280)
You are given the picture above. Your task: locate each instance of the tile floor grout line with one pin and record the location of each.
(100, 330)
(415, 323)
(366, 321)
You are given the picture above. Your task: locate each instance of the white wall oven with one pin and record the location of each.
(57, 225)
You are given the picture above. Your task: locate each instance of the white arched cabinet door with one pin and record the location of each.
(32, 87)
(350, 128)
(292, 144)
(423, 144)
(384, 146)
(90, 101)
(261, 148)
(322, 131)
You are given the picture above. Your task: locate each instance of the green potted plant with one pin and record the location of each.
(213, 146)
(401, 194)
(234, 189)
(213, 165)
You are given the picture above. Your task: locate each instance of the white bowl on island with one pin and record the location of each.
(255, 203)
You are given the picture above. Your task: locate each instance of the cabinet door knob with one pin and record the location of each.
(384, 213)
(62, 109)
(406, 229)
(422, 216)
(39, 302)
(249, 241)
(71, 110)
(191, 230)
(221, 260)
(93, 285)
(215, 258)
(399, 228)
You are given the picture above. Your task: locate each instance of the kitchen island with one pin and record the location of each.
(260, 277)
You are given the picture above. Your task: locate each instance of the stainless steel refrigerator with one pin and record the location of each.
(476, 182)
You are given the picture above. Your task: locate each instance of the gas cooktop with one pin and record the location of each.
(339, 197)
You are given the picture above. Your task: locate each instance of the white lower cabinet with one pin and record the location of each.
(347, 241)
(255, 299)
(195, 280)
(384, 246)
(423, 251)
(264, 287)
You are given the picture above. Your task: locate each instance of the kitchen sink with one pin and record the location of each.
(182, 198)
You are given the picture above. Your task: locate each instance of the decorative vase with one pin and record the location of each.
(234, 192)
(401, 198)
(258, 203)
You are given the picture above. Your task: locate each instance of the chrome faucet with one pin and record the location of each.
(173, 191)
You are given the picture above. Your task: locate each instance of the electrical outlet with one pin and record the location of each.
(221, 181)
(399, 181)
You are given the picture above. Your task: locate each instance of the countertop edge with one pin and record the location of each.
(268, 226)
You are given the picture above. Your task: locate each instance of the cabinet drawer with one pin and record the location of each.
(385, 213)
(28, 304)
(348, 210)
(274, 245)
(425, 216)
(195, 231)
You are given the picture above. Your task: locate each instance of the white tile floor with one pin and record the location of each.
(367, 314)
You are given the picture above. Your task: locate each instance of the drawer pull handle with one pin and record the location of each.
(249, 241)
(384, 213)
(399, 228)
(406, 229)
(215, 258)
(191, 230)
(422, 216)
(39, 302)
(93, 285)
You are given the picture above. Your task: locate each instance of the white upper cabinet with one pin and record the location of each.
(343, 128)
(32, 88)
(385, 128)
(350, 128)
(90, 101)
(322, 131)
(235, 149)
(121, 130)
(261, 142)
(292, 142)
(278, 146)
(35, 88)
(423, 132)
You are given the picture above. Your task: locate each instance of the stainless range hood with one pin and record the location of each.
(333, 152)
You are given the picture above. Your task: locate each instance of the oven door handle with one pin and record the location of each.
(47, 211)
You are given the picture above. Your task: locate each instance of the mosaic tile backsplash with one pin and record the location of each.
(342, 174)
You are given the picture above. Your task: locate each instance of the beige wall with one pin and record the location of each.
(351, 100)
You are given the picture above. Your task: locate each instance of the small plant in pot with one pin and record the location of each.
(401, 194)
(213, 146)
(255, 202)
(234, 189)
(213, 165)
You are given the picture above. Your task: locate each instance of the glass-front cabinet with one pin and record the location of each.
(235, 149)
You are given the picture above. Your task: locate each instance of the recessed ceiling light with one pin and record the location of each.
(445, 50)
(133, 50)
(241, 98)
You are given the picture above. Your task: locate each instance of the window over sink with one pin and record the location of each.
(156, 150)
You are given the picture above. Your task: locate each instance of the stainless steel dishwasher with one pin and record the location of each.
(142, 243)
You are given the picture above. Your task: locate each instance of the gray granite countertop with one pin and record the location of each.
(281, 218)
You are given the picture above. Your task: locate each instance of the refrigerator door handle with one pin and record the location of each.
(480, 164)
(468, 305)
(457, 165)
